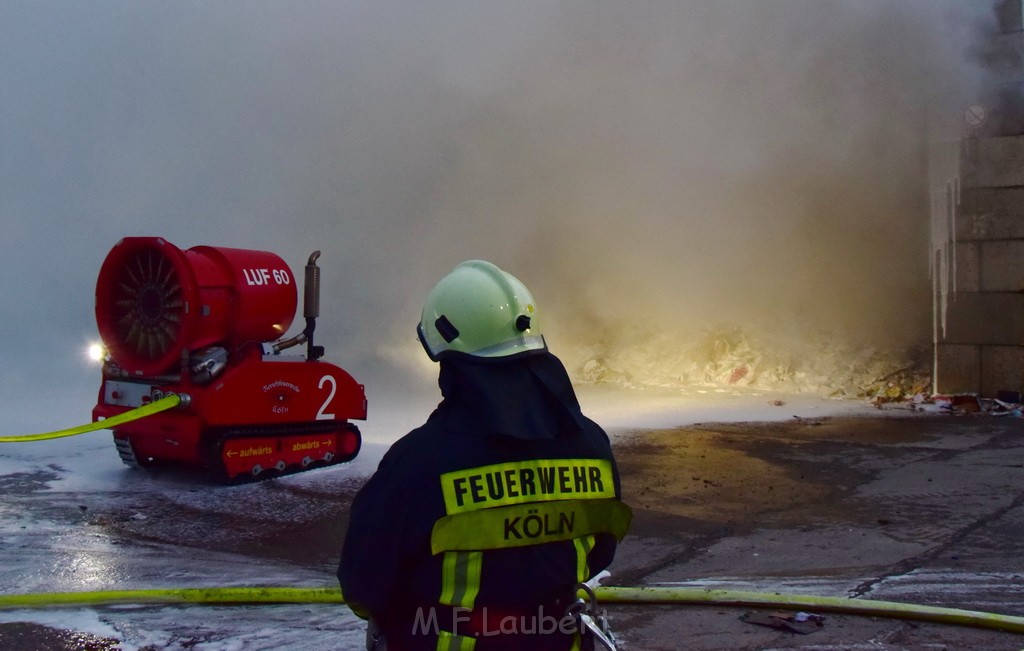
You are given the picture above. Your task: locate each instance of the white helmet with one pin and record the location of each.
(482, 311)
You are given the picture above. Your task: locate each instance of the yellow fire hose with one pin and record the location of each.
(163, 404)
(605, 595)
(233, 596)
(840, 605)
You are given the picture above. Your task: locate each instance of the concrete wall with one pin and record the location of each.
(983, 347)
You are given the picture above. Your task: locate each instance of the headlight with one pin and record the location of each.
(96, 352)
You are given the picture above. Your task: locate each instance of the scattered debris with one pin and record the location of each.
(738, 374)
(969, 404)
(1012, 397)
(966, 404)
(802, 623)
(898, 386)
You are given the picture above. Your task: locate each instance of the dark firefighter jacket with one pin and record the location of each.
(477, 525)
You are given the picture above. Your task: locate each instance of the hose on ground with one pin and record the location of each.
(839, 605)
(163, 404)
(665, 595)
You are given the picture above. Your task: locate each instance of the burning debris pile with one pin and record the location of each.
(729, 358)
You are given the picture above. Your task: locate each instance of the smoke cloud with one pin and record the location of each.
(673, 180)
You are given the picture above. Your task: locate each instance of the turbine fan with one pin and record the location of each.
(148, 305)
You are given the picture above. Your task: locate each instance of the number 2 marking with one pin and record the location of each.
(327, 379)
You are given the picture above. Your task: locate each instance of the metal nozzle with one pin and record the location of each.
(311, 294)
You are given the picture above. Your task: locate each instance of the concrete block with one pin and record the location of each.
(993, 163)
(1002, 369)
(1001, 265)
(1008, 14)
(985, 318)
(1002, 101)
(968, 270)
(957, 368)
(985, 370)
(990, 214)
(1005, 53)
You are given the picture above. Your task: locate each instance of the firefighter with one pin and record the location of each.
(477, 526)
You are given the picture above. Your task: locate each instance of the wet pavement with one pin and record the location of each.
(925, 509)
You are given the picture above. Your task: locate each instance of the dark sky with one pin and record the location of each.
(651, 170)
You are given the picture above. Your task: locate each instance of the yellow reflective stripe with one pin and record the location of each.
(583, 545)
(448, 578)
(521, 482)
(529, 524)
(460, 585)
(460, 578)
(474, 567)
(450, 642)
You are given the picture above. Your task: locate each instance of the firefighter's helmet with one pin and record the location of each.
(481, 311)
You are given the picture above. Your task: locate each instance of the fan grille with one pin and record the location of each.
(148, 305)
